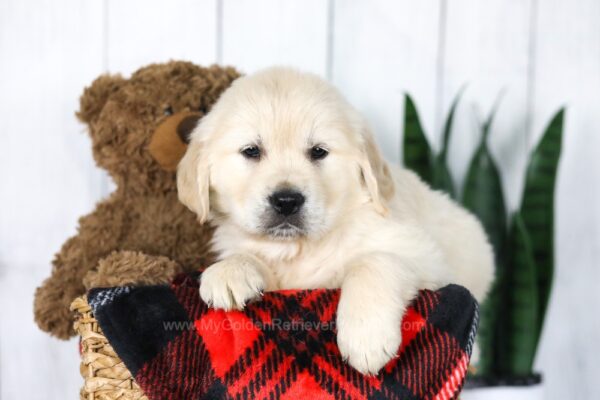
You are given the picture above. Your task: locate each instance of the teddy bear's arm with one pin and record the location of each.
(98, 235)
(122, 268)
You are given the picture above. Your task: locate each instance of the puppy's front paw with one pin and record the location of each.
(230, 284)
(368, 340)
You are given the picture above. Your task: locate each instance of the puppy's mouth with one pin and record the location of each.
(285, 228)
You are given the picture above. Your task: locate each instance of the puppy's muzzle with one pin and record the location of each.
(286, 202)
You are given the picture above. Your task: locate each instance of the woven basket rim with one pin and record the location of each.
(105, 375)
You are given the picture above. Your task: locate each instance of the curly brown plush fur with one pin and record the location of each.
(141, 234)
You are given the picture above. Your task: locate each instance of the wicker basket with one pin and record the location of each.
(105, 376)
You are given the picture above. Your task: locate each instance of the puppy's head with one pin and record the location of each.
(282, 155)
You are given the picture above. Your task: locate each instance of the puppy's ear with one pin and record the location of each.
(193, 180)
(375, 172)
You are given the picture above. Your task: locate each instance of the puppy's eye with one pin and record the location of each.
(318, 153)
(168, 111)
(251, 152)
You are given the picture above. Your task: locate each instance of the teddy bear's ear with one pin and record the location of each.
(95, 96)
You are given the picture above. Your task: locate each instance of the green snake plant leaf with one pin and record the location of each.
(484, 197)
(483, 193)
(448, 125)
(442, 178)
(522, 301)
(417, 151)
(537, 207)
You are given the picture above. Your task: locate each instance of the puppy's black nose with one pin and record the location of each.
(286, 202)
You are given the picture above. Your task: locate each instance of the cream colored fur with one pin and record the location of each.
(373, 230)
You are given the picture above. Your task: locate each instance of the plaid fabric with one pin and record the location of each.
(282, 347)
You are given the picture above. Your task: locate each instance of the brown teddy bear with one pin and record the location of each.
(141, 234)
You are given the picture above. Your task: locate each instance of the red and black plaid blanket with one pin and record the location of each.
(282, 347)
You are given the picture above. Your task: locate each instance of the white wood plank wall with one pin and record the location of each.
(543, 53)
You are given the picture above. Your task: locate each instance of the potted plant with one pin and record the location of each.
(512, 317)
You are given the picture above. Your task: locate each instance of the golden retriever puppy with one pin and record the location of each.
(301, 198)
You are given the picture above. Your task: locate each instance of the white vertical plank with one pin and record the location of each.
(142, 32)
(567, 72)
(48, 176)
(49, 50)
(262, 33)
(382, 49)
(487, 48)
(32, 364)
